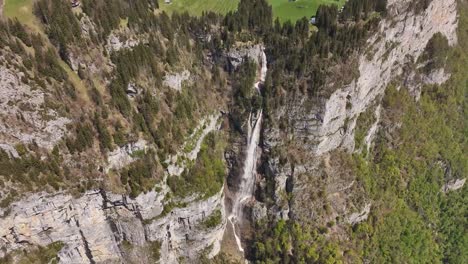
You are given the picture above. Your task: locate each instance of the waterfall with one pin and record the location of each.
(263, 71)
(247, 180)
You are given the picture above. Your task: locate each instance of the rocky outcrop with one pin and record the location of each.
(398, 31)
(122, 156)
(182, 231)
(358, 217)
(80, 223)
(116, 42)
(190, 149)
(453, 185)
(25, 117)
(175, 80)
(237, 55)
(319, 127)
(93, 227)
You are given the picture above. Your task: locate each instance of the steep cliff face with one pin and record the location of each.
(400, 40)
(100, 226)
(94, 226)
(25, 115)
(321, 128)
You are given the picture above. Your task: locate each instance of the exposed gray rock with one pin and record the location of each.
(355, 218)
(122, 156)
(131, 90)
(374, 128)
(115, 42)
(11, 151)
(259, 211)
(453, 185)
(80, 223)
(24, 116)
(181, 231)
(87, 26)
(321, 126)
(175, 80)
(237, 55)
(401, 29)
(93, 226)
(178, 162)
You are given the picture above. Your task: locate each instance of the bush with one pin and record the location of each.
(206, 176)
(213, 220)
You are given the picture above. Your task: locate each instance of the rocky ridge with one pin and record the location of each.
(94, 226)
(329, 124)
(25, 115)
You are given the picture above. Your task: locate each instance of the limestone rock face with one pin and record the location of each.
(80, 223)
(319, 127)
(237, 55)
(115, 42)
(24, 115)
(408, 34)
(453, 185)
(93, 227)
(122, 156)
(175, 80)
(182, 232)
(355, 218)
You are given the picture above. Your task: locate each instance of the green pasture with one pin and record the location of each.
(22, 10)
(284, 9)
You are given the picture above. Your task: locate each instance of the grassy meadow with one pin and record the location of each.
(284, 9)
(22, 10)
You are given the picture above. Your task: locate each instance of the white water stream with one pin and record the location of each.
(247, 180)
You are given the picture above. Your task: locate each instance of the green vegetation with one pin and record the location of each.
(38, 255)
(141, 175)
(363, 124)
(436, 53)
(155, 248)
(62, 26)
(84, 138)
(196, 7)
(413, 220)
(213, 220)
(206, 176)
(295, 10)
(283, 9)
(274, 243)
(419, 148)
(29, 171)
(22, 10)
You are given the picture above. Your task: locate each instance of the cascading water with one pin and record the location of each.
(247, 181)
(247, 184)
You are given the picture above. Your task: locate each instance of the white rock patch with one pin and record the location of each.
(409, 34)
(175, 80)
(24, 117)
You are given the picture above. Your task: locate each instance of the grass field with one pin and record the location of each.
(284, 9)
(196, 7)
(21, 9)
